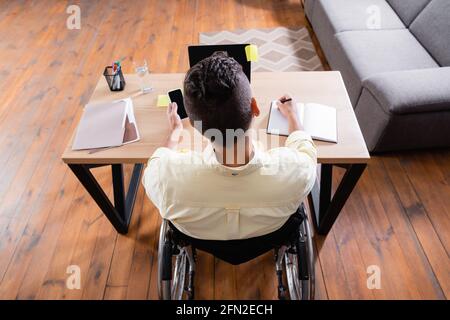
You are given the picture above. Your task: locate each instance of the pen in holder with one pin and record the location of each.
(115, 79)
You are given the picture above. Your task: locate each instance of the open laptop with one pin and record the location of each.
(237, 51)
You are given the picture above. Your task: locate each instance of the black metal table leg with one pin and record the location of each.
(326, 207)
(119, 192)
(119, 213)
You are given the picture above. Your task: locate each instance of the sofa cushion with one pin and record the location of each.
(408, 9)
(411, 91)
(387, 132)
(363, 54)
(432, 29)
(346, 15)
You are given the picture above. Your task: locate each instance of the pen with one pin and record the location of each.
(285, 100)
(116, 80)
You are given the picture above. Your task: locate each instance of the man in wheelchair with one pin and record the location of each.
(233, 199)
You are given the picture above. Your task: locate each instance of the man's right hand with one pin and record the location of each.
(289, 110)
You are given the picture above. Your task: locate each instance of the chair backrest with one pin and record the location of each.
(240, 251)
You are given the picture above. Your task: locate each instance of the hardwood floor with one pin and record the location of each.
(397, 218)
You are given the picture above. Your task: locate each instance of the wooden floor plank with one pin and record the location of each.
(44, 144)
(74, 233)
(50, 162)
(429, 184)
(353, 261)
(153, 245)
(418, 218)
(146, 229)
(397, 218)
(368, 239)
(409, 248)
(394, 263)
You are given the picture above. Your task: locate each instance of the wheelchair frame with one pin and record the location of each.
(294, 261)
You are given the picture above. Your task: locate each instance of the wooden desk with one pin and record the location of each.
(321, 87)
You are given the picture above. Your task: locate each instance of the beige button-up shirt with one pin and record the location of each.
(207, 200)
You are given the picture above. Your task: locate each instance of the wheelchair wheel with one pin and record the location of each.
(173, 266)
(299, 265)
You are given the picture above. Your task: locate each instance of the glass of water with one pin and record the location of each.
(141, 69)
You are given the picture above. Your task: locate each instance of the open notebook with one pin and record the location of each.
(317, 119)
(105, 125)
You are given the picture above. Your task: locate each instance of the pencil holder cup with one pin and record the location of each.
(115, 80)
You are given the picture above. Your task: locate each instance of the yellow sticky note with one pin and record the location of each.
(251, 51)
(163, 100)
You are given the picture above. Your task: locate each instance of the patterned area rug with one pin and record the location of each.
(279, 49)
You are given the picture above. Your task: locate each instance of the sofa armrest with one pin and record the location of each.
(411, 91)
(308, 6)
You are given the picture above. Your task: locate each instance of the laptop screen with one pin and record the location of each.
(237, 51)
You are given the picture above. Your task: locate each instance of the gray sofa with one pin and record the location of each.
(394, 56)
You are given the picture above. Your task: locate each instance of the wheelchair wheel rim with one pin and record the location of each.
(292, 275)
(162, 238)
(301, 289)
(179, 276)
(311, 260)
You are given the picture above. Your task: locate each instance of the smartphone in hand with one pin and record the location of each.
(177, 96)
